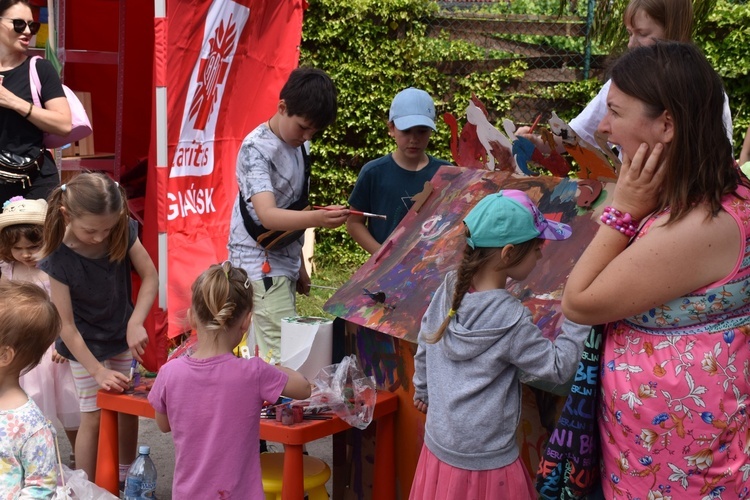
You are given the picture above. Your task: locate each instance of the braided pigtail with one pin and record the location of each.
(473, 260)
(221, 296)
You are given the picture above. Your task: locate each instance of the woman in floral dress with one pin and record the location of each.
(668, 273)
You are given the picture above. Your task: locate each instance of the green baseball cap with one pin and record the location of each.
(509, 218)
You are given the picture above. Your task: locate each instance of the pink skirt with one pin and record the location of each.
(52, 388)
(436, 480)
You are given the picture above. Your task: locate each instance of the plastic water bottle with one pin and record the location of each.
(141, 480)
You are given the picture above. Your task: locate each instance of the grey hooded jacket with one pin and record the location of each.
(470, 378)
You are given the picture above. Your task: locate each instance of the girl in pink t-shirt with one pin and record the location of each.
(211, 400)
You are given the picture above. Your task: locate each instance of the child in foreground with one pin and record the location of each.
(474, 340)
(211, 400)
(29, 324)
(91, 244)
(50, 384)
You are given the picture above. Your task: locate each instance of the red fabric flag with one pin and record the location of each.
(226, 63)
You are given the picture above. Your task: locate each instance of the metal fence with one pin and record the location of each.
(554, 46)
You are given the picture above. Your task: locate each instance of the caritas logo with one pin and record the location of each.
(194, 154)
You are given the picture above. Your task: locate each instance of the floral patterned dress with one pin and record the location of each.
(676, 387)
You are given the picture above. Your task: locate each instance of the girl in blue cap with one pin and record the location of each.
(474, 341)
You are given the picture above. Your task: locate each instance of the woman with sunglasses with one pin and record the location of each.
(22, 125)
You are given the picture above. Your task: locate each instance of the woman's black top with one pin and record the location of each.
(18, 134)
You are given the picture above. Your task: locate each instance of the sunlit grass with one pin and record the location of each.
(331, 277)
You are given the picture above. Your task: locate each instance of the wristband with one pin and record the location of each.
(31, 107)
(619, 221)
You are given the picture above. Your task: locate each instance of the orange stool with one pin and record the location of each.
(316, 473)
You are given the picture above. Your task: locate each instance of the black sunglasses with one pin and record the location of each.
(19, 25)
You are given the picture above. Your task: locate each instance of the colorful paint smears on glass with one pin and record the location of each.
(391, 292)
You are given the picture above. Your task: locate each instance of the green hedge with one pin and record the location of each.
(374, 48)
(725, 39)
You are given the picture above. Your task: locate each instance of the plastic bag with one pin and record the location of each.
(186, 348)
(76, 485)
(345, 389)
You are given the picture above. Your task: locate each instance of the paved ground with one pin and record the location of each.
(162, 453)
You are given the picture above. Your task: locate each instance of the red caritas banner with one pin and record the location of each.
(226, 63)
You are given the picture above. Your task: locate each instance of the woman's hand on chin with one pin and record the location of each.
(640, 182)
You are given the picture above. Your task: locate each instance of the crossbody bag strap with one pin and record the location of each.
(251, 227)
(254, 229)
(308, 168)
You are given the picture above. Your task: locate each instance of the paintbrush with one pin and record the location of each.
(304, 417)
(536, 122)
(133, 364)
(323, 286)
(353, 212)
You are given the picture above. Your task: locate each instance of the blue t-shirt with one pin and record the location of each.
(383, 187)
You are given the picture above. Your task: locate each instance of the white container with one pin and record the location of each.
(306, 344)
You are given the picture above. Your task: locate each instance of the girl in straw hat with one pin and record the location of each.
(50, 384)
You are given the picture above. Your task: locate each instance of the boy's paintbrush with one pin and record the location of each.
(353, 212)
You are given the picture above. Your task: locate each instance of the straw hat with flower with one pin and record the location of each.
(19, 210)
